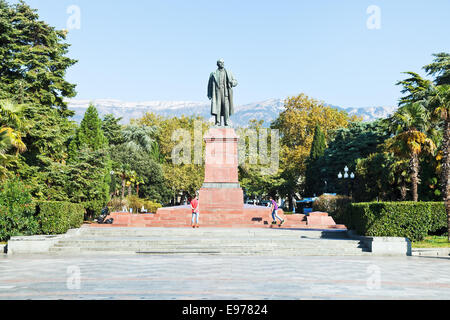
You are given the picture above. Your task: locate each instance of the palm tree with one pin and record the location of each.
(10, 136)
(435, 95)
(132, 176)
(139, 181)
(439, 102)
(410, 124)
(139, 138)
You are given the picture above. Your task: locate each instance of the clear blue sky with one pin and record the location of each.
(138, 50)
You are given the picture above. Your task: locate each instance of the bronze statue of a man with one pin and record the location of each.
(220, 92)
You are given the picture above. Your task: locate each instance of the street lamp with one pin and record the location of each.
(346, 175)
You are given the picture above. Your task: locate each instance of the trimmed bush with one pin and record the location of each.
(413, 220)
(56, 217)
(335, 206)
(16, 211)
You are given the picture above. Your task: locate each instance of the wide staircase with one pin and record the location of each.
(248, 217)
(212, 241)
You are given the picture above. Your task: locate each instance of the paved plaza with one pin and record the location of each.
(166, 277)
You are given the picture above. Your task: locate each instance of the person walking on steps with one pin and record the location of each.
(195, 212)
(274, 207)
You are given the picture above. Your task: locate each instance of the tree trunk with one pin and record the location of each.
(414, 166)
(446, 171)
(123, 188)
(403, 192)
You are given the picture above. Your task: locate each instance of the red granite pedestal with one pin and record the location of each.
(221, 199)
(221, 191)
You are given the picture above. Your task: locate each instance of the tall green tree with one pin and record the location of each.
(436, 97)
(90, 164)
(139, 138)
(410, 124)
(313, 183)
(33, 59)
(319, 144)
(296, 125)
(440, 105)
(440, 68)
(88, 180)
(33, 66)
(256, 182)
(112, 130)
(439, 102)
(358, 141)
(89, 134)
(180, 179)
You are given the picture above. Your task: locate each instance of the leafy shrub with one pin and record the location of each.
(16, 211)
(413, 220)
(56, 217)
(93, 208)
(152, 206)
(137, 204)
(335, 206)
(117, 204)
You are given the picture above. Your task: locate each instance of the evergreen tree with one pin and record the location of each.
(319, 144)
(33, 65)
(112, 130)
(89, 134)
(90, 164)
(33, 61)
(313, 181)
(125, 161)
(357, 141)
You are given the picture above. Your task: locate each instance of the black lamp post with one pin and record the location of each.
(346, 176)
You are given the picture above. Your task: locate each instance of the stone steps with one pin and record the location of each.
(208, 241)
(109, 230)
(211, 250)
(248, 217)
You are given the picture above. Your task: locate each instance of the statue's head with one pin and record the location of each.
(221, 63)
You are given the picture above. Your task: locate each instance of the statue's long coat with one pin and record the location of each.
(213, 87)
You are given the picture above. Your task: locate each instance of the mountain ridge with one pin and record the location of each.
(267, 110)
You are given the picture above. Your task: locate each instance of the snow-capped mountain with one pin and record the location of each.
(267, 110)
(371, 113)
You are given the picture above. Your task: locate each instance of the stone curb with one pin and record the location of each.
(431, 252)
(384, 246)
(36, 244)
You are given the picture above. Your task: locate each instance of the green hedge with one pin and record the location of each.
(16, 210)
(56, 217)
(413, 220)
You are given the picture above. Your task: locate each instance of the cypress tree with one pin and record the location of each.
(313, 181)
(89, 134)
(318, 145)
(90, 164)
